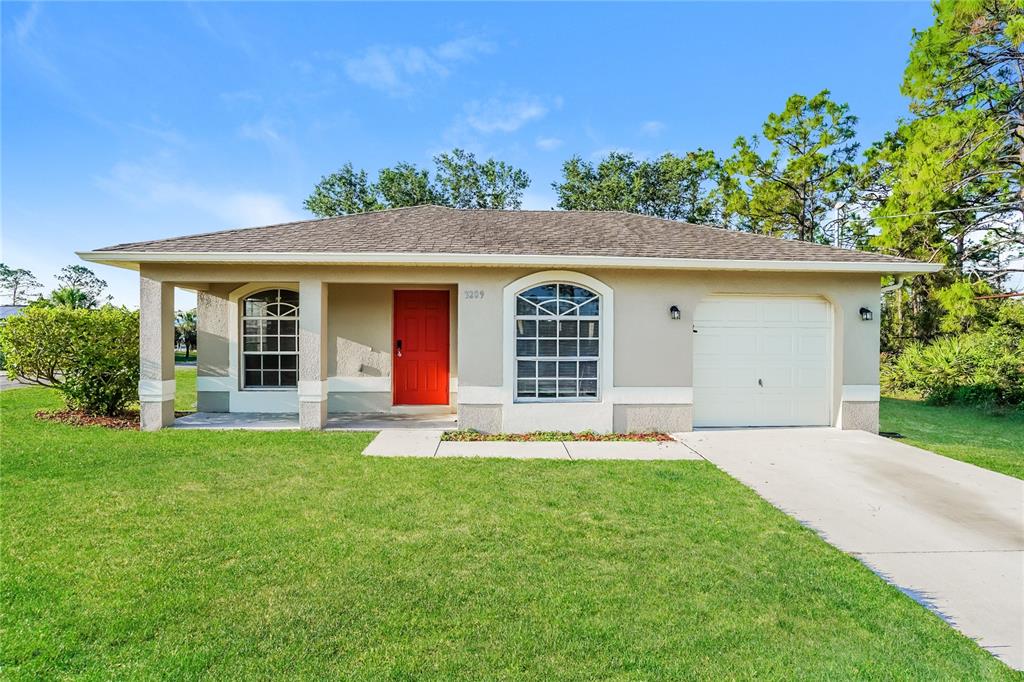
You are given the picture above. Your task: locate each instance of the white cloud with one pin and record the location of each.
(652, 128)
(140, 183)
(462, 49)
(396, 69)
(26, 23)
(166, 134)
(263, 130)
(548, 143)
(503, 115)
(389, 68)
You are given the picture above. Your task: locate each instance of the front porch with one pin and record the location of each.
(307, 353)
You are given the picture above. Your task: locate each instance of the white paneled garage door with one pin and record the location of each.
(762, 362)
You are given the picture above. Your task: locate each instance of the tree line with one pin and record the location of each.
(945, 185)
(77, 287)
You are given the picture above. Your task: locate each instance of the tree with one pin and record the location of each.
(460, 181)
(17, 282)
(463, 182)
(675, 187)
(952, 175)
(406, 185)
(346, 191)
(946, 185)
(809, 167)
(85, 280)
(72, 297)
(186, 329)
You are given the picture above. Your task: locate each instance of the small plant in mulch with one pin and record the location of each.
(128, 419)
(469, 436)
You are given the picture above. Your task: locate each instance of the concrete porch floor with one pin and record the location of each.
(261, 421)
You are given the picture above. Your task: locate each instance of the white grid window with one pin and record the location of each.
(270, 339)
(557, 344)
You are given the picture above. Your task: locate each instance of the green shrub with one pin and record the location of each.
(979, 368)
(90, 356)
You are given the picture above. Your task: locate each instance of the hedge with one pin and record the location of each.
(90, 356)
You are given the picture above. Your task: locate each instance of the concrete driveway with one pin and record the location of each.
(949, 534)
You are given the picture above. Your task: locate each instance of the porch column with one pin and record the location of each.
(156, 354)
(312, 354)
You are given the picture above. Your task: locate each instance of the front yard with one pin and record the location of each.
(986, 438)
(187, 554)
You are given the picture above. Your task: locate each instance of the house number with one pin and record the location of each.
(472, 294)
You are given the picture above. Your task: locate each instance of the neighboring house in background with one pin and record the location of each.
(517, 321)
(8, 310)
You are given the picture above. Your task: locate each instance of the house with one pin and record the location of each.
(517, 321)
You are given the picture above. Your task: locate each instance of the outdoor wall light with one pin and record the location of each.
(674, 312)
(865, 314)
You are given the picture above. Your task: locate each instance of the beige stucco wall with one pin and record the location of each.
(651, 350)
(362, 314)
(214, 319)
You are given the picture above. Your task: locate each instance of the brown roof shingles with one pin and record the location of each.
(440, 230)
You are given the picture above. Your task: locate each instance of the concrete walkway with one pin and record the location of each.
(949, 534)
(425, 443)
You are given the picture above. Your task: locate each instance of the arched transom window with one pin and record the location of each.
(270, 339)
(557, 344)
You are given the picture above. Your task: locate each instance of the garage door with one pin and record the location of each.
(762, 362)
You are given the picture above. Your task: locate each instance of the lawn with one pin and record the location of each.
(186, 554)
(185, 389)
(990, 439)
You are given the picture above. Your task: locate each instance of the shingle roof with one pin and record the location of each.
(440, 230)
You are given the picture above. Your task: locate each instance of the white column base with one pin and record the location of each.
(312, 414)
(155, 415)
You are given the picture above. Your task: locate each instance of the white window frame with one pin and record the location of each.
(240, 330)
(516, 411)
(558, 319)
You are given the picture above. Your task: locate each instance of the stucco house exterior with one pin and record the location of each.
(517, 321)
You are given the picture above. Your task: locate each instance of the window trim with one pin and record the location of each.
(606, 353)
(242, 318)
(558, 318)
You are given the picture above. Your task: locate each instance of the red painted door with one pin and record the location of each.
(420, 348)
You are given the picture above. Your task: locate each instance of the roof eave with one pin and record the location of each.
(132, 259)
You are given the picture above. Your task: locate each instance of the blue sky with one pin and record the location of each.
(123, 122)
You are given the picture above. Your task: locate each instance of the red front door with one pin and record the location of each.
(420, 348)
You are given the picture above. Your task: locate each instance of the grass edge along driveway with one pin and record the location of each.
(230, 554)
(986, 438)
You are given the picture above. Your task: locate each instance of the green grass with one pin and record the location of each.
(188, 554)
(179, 356)
(185, 389)
(988, 439)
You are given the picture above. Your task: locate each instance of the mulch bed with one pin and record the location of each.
(474, 436)
(126, 420)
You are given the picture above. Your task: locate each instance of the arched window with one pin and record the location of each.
(270, 339)
(557, 344)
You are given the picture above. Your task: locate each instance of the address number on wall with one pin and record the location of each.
(473, 294)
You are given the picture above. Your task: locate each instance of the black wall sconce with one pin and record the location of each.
(674, 312)
(865, 314)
